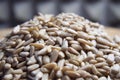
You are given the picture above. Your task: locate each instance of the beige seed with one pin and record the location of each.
(39, 58)
(51, 29)
(31, 60)
(59, 39)
(50, 42)
(56, 47)
(102, 78)
(17, 71)
(35, 34)
(94, 70)
(1, 55)
(79, 79)
(28, 42)
(75, 62)
(65, 44)
(59, 73)
(11, 43)
(83, 35)
(52, 74)
(32, 67)
(24, 32)
(84, 42)
(88, 78)
(69, 38)
(35, 72)
(24, 54)
(45, 76)
(39, 75)
(76, 46)
(61, 63)
(63, 34)
(8, 77)
(37, 45)
(32, 50)
(95, 77)
(73, 42)
(54, 55)
(7, 66)
(43, 34)
(42, 51)
(99, 59)
(115, 69)
(16, 29)
(86, 67)
(61, 55)
(52, 34)
(17, 76)
(21, 64)
(104, 41)
(117, 59)
(20, 44)
(28, 36)
(46, 59)
(102, 46)
(27, 48)
(83, 54)
(109, 78)
(66, 77)
(84, 74)
(44, 70)
(101, 64)
(71, 31)
(50, 65)
(77, 28)
(73, 51)
(101, 70)
(72, 74)
(110, 58)
(107, 68)
(18, 50)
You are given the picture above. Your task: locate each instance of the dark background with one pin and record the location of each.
(13, 12)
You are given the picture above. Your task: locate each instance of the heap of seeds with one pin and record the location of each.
(63, 47)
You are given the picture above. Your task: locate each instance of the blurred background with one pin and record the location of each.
(13, 12)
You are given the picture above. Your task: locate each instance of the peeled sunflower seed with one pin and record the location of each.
(39, 75)
(31, 60)
(35, 72)
(8, 77)
(65, 44)
(32, 67)
(54, 55)
(1, 55)
(72, 74)
(37, 45)
(66, 77)
(50, 65)
(72, 50)
(111, 58)
(43, 51)
(24, 54)
(46, 59)
(115, 69)
(45, 76)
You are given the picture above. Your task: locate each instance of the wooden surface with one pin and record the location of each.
(110, 31)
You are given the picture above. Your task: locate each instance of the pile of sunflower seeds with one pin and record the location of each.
(62, 47)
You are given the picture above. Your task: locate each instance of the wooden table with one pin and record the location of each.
(110, 31)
